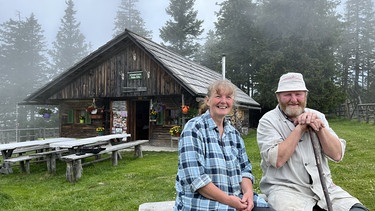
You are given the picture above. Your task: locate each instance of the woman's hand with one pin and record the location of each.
(238, 203)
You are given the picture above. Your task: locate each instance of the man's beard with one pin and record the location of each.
(293, 111)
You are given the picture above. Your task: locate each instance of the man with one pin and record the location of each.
(290, 175)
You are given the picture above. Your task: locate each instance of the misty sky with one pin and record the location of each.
(97, 16)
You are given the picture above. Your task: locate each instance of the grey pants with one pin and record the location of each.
(356, 207)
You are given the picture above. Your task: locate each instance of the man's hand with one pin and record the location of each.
(310, 119)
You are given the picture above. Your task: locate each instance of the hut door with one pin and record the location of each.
(142, 120)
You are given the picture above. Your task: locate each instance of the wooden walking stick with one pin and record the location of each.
(317, 152)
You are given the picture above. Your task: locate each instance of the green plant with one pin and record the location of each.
(44, 111)
(81, 117)
(175, 130)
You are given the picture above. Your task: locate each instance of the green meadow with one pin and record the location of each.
(151, 178)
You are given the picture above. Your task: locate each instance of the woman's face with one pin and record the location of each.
(220, 103)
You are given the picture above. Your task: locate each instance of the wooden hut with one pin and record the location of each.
(118, 85)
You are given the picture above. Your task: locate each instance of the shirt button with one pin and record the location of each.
(306, 164)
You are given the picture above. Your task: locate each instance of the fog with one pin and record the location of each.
(97, 19)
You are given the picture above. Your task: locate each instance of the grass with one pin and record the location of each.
(151, 178)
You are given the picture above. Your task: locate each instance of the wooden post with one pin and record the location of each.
(138, 151)
(78, 169)
(114, 158)
(27, 166)
(69, 171)
(22, 166)
(49, 162)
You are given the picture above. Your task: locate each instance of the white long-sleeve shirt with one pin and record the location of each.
(299, 176)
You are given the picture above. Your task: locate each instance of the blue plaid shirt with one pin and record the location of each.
(204, 159)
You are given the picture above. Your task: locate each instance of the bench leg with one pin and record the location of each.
(138, 151)
(114, 157)
(51, 163)
(78, 169)
(70, 171)
(27, 166)
(22, 166)
(6, 168)
(73, 170)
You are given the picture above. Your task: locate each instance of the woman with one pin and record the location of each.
(214, 172)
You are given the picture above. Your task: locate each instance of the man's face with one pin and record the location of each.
(293, 103)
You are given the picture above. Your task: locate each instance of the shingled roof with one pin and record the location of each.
(194, 77)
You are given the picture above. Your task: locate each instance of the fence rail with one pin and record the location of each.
(27, 134)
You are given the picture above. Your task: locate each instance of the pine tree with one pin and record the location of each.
(181, 34)
(300, 36)
(23, 60)
(70, 45)
(128, 17)
(357, 51)
(237, 38)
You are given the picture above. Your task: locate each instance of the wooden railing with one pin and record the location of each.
(364, 112)
(27, 134)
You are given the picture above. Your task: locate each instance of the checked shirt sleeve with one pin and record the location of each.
(191, 160)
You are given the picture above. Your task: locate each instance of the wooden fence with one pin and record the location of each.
(362, 112)
(27, 134)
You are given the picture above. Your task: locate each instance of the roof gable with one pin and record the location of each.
(194, 77)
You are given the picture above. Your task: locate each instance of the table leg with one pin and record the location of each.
(6, 169)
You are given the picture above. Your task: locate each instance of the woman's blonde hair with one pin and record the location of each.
(220, 87)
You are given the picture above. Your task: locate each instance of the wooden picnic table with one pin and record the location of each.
(72, 145)
(8, 149)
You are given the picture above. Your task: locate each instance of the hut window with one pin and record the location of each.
(172, 116)
(77, 116)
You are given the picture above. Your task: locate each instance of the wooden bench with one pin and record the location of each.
(74, 161)
(24, 161)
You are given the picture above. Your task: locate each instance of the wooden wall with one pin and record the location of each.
(76, 129)
(109, 77)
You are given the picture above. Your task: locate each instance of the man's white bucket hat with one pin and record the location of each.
(291, 82)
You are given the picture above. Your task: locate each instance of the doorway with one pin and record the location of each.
(142, 120)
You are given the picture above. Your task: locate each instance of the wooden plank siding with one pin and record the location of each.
(110, 76)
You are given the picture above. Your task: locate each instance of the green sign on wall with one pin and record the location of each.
(135, 75)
